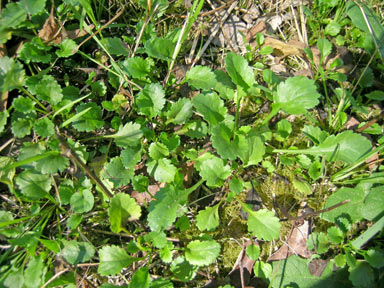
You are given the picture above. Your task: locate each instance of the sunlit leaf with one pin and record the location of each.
(113, 259)
(122, 209)
(202, 253)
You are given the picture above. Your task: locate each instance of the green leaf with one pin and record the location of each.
(74, 221)
(210, 106)
(351, 210)
(35, 51)
(158, 150)
(346, 146)
(113, 259)
(33, 184)
(89, 121)
(373, 203)
(12, 74)
(122, 209)
(213, 171)
(117, 173)
(14, 280)
(296, 95)
(375, 257)
(253, 251)
(325, 47)
(21, 126)
(131, 156)
(137, 67)
(82, 201)
(362, 275)
(262, 269)
(140, 183)
(3, 119)
(161, 283)
(315, 134)
(208, 219)
(250, 147)
(44, 127)
(159, 239)
(159, 48)
(332, 28)
(34, 272)
(201, 77)
(224, 85)
(263, 223)
(183, 270)
(33, 7)
(12, 15)
(302, 186)
(335, 235)
(150, 101)
(172, 142)
(239, 71)
(128, 135)
(115, 46)
(140, 279)
(340, 260)
(166, 253)
(195, 129)
(169, 199)
(180, 111)
(77, 252)
(360, 19)
(67, 48)
(222, 135)
(202, 253)
(52, 164)
(162, 170)
(294, 272)
(318, 242)
(23, 104)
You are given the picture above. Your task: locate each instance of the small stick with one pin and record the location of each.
(67, 152)
(99, 30)
(316, 213)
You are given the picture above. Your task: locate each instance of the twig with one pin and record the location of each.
(99, 30)
(142, 29)
(315, 213)
(55, 276)
(67, 152)
(212, 36)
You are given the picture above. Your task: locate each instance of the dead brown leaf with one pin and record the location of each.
(242, 269)
(50, 32)
(296, 243)
(282, 49)
(146, 197)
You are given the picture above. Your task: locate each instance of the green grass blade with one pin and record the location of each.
(74, 118)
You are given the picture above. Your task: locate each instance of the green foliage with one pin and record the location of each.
(202, 253)
(263, 223)
(113, 259)
(102, 141)
(122, 209)
(208, 219)
(295, 271)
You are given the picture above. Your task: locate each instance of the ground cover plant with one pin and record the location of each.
(128, 160)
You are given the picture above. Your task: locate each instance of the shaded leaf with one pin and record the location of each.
(89, 121)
